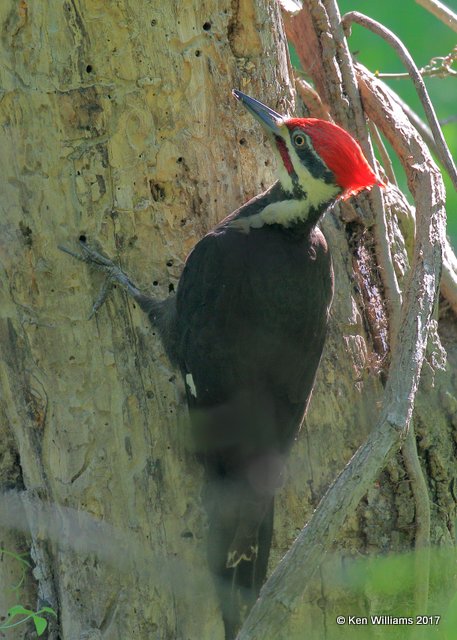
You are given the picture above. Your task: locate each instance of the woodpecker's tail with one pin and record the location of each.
(239, 540)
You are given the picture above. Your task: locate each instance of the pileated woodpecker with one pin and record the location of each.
(247, 329)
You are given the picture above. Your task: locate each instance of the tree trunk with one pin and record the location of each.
(119, 127)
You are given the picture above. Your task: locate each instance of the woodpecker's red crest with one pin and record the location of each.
(340, 152)
(319, 158)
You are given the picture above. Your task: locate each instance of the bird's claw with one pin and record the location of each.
(91, 256)
(102, 296)
(102, 263)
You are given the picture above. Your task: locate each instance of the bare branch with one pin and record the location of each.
(422, 504)
(386, 161)
(311, 99)
(380, 232)
(387, 35)
(374, 93)
(438, 67)
(442, 12)
(329, 62)
(283, 590)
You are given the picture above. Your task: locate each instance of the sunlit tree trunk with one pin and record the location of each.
(118, 125)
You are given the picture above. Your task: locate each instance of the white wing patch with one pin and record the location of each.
(191, 384)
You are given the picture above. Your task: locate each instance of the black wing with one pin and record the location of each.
(251, 323)
(252, 312)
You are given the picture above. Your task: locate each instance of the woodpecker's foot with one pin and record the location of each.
(246, 549)
(110, 269)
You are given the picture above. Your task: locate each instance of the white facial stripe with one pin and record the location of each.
(317, 190)
(291, 210)
(284, 212)
(284, 176)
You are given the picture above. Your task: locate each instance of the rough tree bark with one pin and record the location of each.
(118, 125)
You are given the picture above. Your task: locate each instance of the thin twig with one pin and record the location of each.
(442, 12)
(432, 73)
(438, 67)
(380, 229)
(372, 92)
(343, 95)
(386, 161)
(311, 98)
(403, 53)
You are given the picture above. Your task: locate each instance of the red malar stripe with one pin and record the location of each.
(282, 148)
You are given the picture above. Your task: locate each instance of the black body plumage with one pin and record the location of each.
(247, 329)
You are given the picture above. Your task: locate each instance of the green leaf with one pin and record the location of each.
(40, 624)
(48, 610)
(19, 610)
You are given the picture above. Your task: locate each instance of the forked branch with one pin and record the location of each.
(387, 35)
(281, 593)
(283, 590)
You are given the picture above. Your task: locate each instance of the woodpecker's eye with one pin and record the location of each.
(299, 140)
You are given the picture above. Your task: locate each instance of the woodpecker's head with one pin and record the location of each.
(319, 160)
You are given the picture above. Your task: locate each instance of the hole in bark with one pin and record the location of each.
(89, 68)
(157, 191)
(26, 232)
(207, 26)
